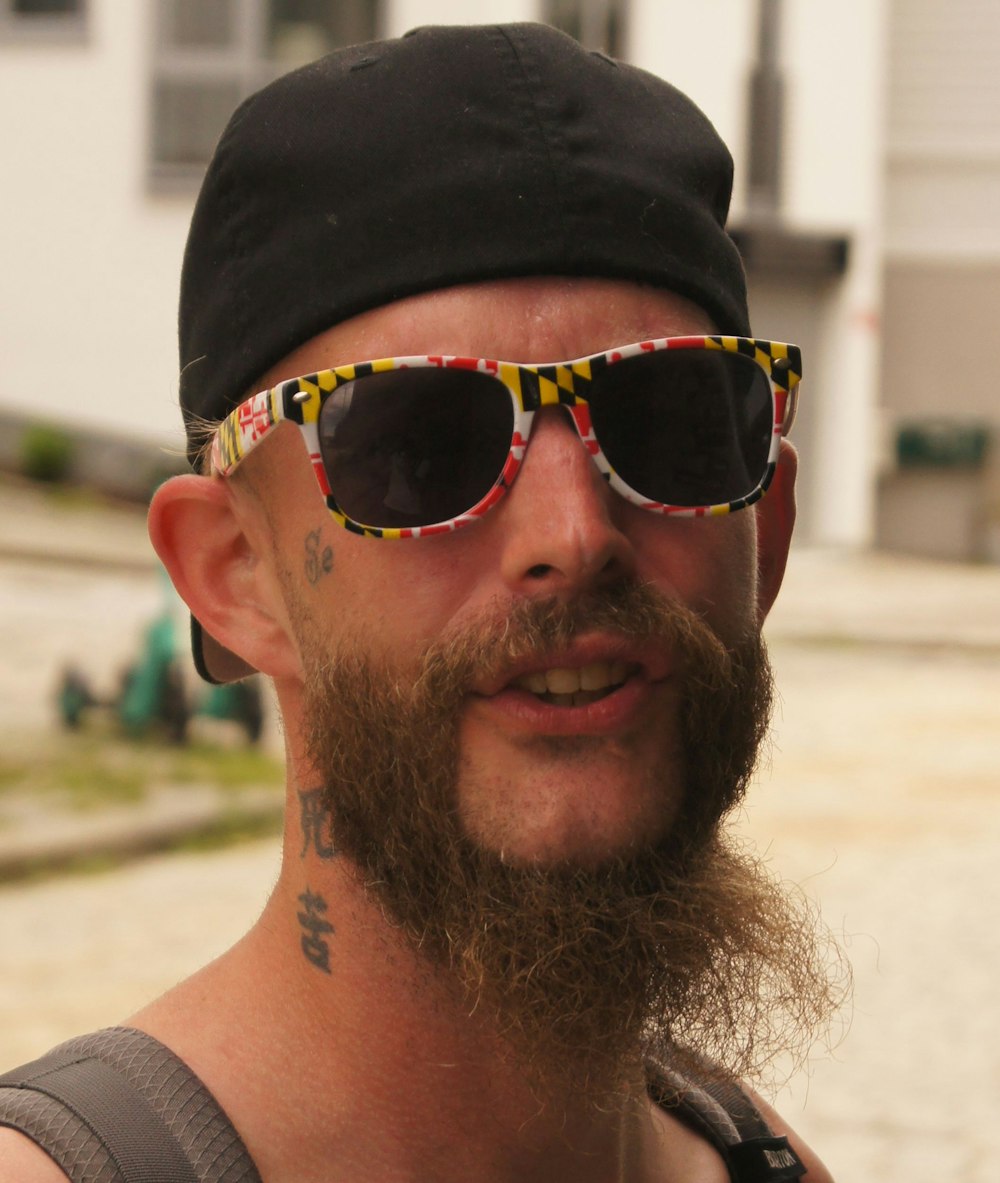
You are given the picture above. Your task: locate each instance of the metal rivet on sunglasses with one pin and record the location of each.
(301, 397)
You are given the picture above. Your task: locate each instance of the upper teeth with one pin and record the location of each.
(597, 676)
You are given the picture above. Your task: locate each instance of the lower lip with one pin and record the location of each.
(614, 713)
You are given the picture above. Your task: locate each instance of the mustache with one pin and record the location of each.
(406, 717)
(508, 633)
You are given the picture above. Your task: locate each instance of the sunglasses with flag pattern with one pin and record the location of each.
(405, 447)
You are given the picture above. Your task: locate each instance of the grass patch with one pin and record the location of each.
(227, 768)
(231, 829)
(12, 773)
(88, 771)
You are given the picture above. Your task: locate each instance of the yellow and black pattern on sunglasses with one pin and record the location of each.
(546, 386)
(782, 362)
(303, 397)
(567, 384)
(531, 387)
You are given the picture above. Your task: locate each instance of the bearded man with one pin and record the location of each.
(494, 525)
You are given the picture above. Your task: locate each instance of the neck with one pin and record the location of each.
(382, 1066)
(397, 1036)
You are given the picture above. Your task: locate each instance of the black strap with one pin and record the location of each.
(135, 1136)
(718, 1108)
(766, 1160)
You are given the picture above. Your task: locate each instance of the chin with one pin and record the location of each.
(568, 822)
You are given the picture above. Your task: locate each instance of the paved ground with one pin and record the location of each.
(881, 800)
(883, 803)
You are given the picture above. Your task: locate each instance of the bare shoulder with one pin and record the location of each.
(816, 1172)
(21, 1161)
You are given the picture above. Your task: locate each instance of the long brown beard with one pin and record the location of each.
(683, 947)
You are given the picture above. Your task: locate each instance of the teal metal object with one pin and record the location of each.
(152, 692)
(153, 688)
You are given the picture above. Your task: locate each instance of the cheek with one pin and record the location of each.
(736, 562)
(388, 597)
(710, 564)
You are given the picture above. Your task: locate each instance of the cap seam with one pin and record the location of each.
(554, 153)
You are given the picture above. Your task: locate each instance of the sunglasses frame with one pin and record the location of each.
(531, 387)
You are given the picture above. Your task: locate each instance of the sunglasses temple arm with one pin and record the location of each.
(245, 428)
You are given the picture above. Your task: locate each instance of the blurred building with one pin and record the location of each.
(939, 485)
(867, 142)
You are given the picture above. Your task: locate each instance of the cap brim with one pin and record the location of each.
(213, 661)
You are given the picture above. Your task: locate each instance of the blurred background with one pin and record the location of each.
(866, 136)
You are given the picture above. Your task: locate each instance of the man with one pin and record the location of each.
(523, 687)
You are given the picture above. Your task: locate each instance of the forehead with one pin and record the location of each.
(524, 320)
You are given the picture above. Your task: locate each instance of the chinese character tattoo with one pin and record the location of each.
(315, 929)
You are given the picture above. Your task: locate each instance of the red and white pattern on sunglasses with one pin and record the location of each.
(299, 400)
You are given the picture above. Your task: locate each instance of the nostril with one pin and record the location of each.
(539, 571)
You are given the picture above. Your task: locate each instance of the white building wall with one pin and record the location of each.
(943, 149)
(942, 254)
(88, 282)
(402, 15)
(705, 50)
(835, 141)
(91, 256)
(832, 62)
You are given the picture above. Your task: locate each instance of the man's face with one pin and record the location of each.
(592, 766)
(555, 847)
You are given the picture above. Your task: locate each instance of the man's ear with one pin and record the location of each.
(775, 521)
(203, 543)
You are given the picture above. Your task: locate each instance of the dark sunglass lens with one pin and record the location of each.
(685, 427)
(413, 447)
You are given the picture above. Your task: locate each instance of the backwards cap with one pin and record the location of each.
(448, 156)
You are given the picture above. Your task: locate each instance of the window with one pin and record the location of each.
(43, 20)
(45, 7)
(597, 24)
(210, 54)
(300, 30)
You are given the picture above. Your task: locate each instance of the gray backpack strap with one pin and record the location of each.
(133, 1135)
(119, 1107)
(718, 1108)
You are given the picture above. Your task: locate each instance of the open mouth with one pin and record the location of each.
(576, 687)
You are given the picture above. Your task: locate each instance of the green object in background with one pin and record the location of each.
(153, 687)
(238, 701)
(46, 453)
(74, 697)
(152, 692)
(218, 702)
(942, 443)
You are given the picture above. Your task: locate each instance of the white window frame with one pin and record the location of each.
(45, 27)
(244, 63)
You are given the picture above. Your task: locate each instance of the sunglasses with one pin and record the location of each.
(411, 446)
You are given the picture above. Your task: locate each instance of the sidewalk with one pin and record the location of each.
(879, 598)
(73, 528)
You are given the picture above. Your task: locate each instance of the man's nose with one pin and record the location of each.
(558, 520)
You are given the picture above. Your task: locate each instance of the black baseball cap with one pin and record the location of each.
(448, 156)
